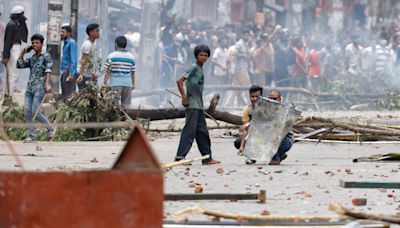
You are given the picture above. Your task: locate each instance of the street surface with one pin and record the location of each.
(304, 184)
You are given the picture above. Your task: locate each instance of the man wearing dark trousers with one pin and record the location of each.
(192, 99)
(68, 63)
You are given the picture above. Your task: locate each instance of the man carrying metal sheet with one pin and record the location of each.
(248, 111)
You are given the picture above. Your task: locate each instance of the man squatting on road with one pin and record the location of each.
(287, 142)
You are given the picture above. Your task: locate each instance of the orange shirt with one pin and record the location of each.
(301, 60)
(315, 69)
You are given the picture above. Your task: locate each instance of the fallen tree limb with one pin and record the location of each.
(174, 113)
(339, 209)
(345, 142)
(328, 120)
(240, 217)
(346, 126)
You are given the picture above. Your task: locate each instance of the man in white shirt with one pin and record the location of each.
(353, 56)
(88, 66)
(219, 60)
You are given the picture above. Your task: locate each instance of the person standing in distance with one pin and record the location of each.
(120, 70)
(88, 66)
(16, 32)
(68, 63)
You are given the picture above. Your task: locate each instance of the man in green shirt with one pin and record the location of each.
(192, 100)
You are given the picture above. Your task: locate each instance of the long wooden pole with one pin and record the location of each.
(221, 214)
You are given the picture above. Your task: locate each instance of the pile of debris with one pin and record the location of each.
(329, 129)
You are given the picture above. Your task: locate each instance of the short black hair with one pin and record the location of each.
(256, 88)
(67, 28)
(37, 36)
(121, 41)
(91, 27)
(244, 31)
(201, 48)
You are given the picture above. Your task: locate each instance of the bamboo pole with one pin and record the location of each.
(183, 162)
(227, 215)
(339, 209)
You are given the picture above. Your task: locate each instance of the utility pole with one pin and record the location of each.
(55, 18)
(74, 19)
(148, 66)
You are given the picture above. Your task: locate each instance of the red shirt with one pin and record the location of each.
(315, 69)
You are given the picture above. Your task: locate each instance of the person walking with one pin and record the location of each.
(40, 65)
(120, 71)
(195, 126)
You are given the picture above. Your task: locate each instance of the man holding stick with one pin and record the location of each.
(192, 100)
(38, 84)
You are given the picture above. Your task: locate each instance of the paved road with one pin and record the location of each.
(304, 184)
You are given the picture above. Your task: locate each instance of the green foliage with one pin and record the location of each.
(15, 114)
(91, 105)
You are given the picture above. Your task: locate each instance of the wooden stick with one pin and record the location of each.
(118, 124)
(40, 106)
(261, 196)
(10, 146)
(339, 209)
(201, 210)
(183, 162)
(345, 142)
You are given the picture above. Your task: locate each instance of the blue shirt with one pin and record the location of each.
(122, 65)
(69, 57)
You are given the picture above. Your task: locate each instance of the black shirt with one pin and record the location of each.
(12, 35)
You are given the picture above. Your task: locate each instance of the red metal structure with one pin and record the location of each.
(128, 195)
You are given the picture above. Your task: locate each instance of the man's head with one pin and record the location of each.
(65, 32)
(246, 35)
(37, 42)
(255, 92)
(275, 95)
(201, 53)
(17, 13)
(93, 31)
(120, 42)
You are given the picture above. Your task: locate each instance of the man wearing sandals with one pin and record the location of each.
(256, 92)
(192, 100)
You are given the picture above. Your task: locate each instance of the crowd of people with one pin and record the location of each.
(270, 55)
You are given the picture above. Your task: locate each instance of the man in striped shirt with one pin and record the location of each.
(120, 70)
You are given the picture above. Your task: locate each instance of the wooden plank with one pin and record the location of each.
(210, 196)
(369, 184)
(313, 133)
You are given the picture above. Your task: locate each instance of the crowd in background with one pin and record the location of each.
(314, 58)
